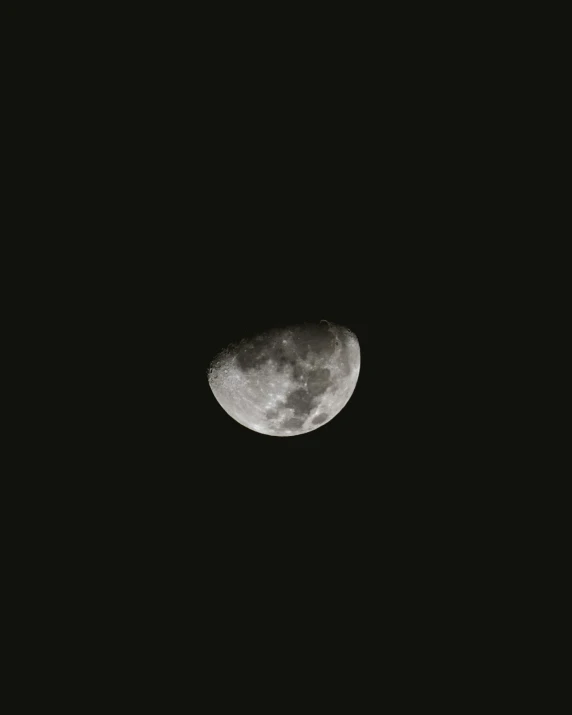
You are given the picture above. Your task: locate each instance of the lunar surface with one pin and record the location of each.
(290, 381)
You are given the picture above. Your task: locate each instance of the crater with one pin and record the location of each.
(320, 419)
(271, 414)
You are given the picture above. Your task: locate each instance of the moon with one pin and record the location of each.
(287, 381)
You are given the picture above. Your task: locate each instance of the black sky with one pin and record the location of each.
(254, 198)
(213, 186)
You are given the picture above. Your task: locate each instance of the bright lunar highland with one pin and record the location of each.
(289, 381)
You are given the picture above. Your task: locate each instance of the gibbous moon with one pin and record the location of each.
(290, 381)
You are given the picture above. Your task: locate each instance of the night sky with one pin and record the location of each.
(213, 191)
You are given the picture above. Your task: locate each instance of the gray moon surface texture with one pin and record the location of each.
(288, 381)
